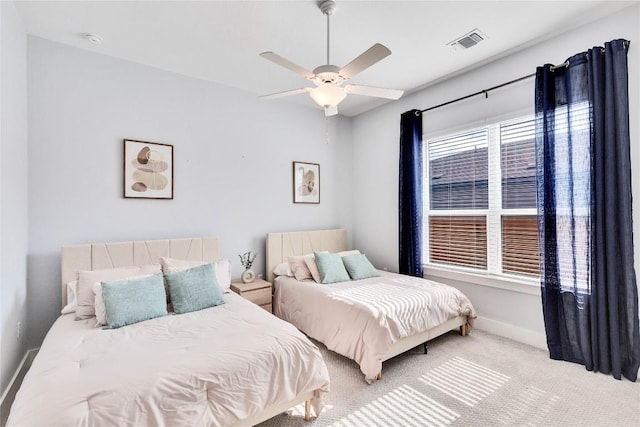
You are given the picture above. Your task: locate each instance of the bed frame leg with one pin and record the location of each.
(379, 376)
(463, 330)
(307, 410)
(426, 349)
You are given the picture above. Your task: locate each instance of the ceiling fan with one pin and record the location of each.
(328, 78)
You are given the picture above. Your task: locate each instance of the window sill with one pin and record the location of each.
(510, 283)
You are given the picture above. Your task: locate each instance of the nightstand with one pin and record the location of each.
(258, 292)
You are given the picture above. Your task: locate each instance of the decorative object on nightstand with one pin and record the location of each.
(258, 292)
(247, 261)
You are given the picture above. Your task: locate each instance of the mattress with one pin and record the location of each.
(362, 319)
(211, 367)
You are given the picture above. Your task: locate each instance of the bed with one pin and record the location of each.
(369, 320)
(229, 365)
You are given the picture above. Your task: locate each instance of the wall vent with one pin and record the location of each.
(467, 41)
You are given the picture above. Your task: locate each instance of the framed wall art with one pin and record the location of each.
(306, 182)
(148, 170)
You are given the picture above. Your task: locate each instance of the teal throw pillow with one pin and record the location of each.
(331, 268)
(359, 267)
(194, 289)
(134, 300)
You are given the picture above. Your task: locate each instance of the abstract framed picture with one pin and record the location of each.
(306, 182)
(148, 170)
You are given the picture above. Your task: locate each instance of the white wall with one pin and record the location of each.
(233, 158)
(232, 153)
(13, 190)
(376, 141)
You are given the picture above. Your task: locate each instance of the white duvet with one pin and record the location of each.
(207, 368)
(362, 319)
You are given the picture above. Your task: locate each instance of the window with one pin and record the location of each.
(480, 200)
(573, 197)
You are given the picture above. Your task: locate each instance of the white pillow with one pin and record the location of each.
(347, 253)
(283, 269)
(313, 267)
(86, 279)
(301, 269)
(101, 310)
(72, 302)
(223, 269)
(173, 265)
(310, 261)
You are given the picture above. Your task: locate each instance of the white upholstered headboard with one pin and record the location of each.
(283, 245)
(96, 256)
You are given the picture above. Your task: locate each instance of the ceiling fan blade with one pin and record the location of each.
(330, 111)
(285, 93)
(369, 57)
(274, 57)
(378, 92)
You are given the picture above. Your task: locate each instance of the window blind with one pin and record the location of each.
(458, 171)
(458, 240)
(520, 245)
(518, 164)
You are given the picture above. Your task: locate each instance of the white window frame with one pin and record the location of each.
(493, 276)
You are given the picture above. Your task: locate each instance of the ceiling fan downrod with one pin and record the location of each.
(328, 7)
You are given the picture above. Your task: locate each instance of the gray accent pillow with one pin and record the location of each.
(359, 267)
(194, 289)
(331, 268)
(133, 300)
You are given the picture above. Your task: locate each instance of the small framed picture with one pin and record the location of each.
(306, 182)
(148, 170)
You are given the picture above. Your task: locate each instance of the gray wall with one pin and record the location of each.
(375, 140)
(13, 190)
(232, 153)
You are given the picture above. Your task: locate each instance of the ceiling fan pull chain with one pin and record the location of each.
(326, 120)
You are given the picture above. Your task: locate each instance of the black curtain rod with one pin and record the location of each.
(484, 91)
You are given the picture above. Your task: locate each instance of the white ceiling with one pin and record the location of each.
(219, 41)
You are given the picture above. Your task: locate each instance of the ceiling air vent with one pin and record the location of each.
(470, 39)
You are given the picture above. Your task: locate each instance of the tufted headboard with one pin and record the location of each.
(97, 256)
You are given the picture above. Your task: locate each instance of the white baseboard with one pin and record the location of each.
(516, 333)
(525, 336)
(10, 393)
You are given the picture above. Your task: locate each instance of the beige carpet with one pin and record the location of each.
(477, 380)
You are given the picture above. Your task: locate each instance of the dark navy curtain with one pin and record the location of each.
(410, 199)
(589, 290)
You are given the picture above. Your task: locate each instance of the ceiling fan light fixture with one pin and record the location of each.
(329, 78)
(328, 95)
